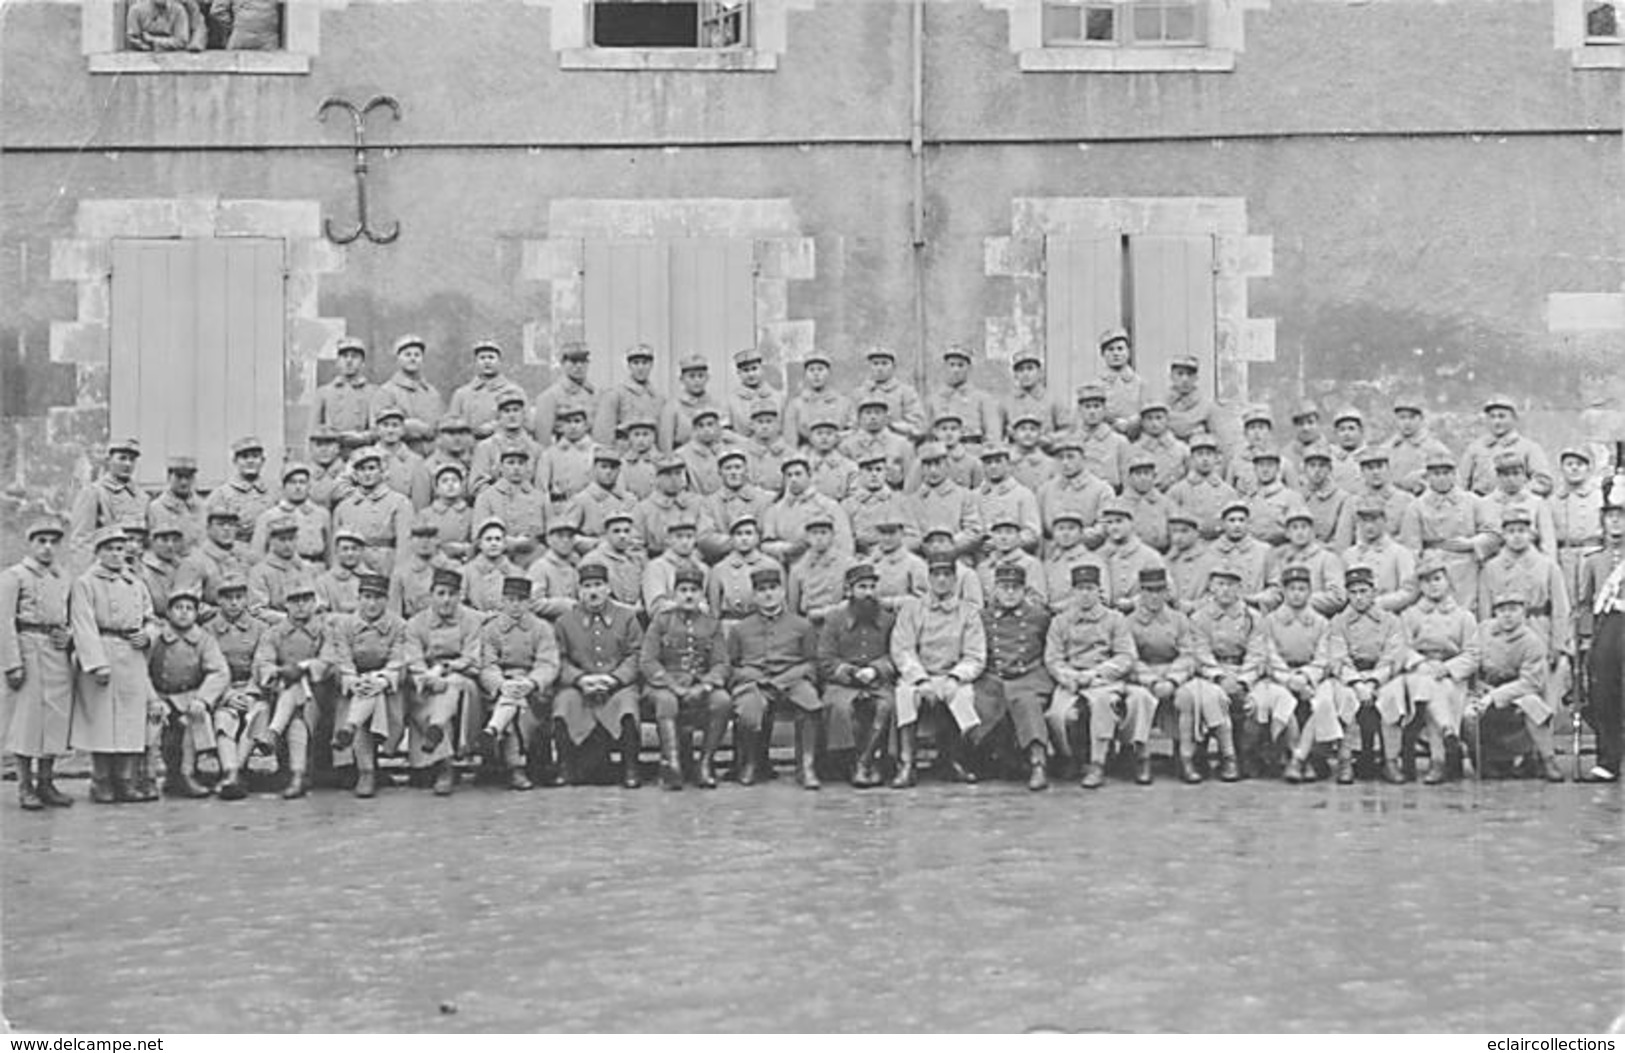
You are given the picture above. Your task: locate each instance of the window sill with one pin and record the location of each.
(1127, 60)
(249, 62)
(707, 60)
(1599, 56)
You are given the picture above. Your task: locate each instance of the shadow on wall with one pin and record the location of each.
(1363, 354)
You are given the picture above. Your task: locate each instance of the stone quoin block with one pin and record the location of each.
(80, 259)
(271, 219)
(81, 342)
(787, 341)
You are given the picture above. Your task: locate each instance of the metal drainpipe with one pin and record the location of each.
(916, 147)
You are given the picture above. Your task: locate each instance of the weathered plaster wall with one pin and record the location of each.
(1428, 174)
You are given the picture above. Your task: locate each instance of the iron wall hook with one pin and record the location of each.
(358, 123)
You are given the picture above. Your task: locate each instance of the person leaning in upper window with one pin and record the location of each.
(248, 25)
(157, 25)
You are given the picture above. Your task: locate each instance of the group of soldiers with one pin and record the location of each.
(1036, 578)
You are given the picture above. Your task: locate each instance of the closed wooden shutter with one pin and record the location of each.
(713, 304)
(1083, 296)
(681, 296)
(1173, 304)
(197, 350)
(626, 289)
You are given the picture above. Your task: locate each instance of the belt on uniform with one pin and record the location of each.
(108, 630)
(1590, 542)
(1436, 654)
(38, 627)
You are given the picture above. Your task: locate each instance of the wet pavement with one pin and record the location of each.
(1250, 907)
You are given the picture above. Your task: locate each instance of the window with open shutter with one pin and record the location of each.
(681, 296)
(197, 350)
(1157, 286)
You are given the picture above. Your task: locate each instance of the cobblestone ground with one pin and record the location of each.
(1250, 907)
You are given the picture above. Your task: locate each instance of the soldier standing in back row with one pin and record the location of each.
(113, 498)
(109, 611)
(34, 642)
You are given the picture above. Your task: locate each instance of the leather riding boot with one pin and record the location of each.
(745, 755)
(232, 786)
(1142, 763)
(1185, 765)
(139, 786)
(297, 785)
(45, 786)
(185, 781)
(907, 742)
(864, 774)
(958, 749)
(1037, 760)
(631, 742)
(1452, 755)
(1229, 770)
(445, 778)
(512, 760)
(1248, 744)
(567, 756)
(101, 779)
(27, 797)
(807, 750)
(1345, 761)
(715, 728)
(143, 777)
(764, 748)
(366, 765)
(671, 765)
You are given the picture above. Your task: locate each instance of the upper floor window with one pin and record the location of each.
(1124, 23)
(1128, 36)
(1589, 31)
(1601, 22)
(670, 23)
(200, 36)
(202, 25)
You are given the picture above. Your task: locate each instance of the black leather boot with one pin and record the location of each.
(907, 743)
(671, 765)
(631, 742)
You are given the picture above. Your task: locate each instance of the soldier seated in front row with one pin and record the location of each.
(1512, 669)
(939, 648)
(600, 642)
(443, 657)
(684, 664)
(1016, 685)
(290, 667)
(368, 658)
(854, 658)
(519, 660)
(773, 655)
(189, 675)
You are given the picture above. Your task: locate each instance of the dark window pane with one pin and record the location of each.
(1101, 24)
(1602, 20)
(645, 25)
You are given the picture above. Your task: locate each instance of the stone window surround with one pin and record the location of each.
(86, 259)
(1226, 28)
(1238, 257)
(1569, 34)
(783, 254)
(769, 31)
(101, 38)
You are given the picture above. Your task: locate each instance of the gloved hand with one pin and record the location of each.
(15, 678)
